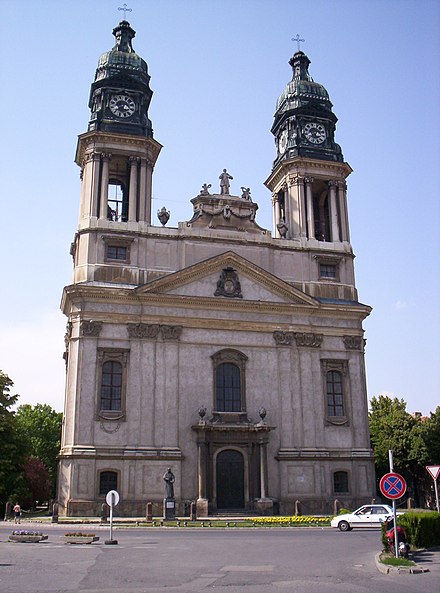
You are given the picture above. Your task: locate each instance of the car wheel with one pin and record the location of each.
(344, 526)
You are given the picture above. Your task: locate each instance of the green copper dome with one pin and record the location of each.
(302, 89)
(122, 59)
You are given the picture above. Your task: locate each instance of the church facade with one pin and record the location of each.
(229, 353)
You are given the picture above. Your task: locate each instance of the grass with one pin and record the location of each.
(393, 561)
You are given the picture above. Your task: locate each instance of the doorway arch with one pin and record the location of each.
(230, 480)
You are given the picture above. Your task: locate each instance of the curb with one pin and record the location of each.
(385, 569)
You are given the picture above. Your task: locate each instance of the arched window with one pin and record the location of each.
(228, 388)
(340, 482)
(108, 480)
(111, 386)
(335, 395)
(229, 381)
(117, 201)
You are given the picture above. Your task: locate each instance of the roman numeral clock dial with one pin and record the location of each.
(122, 106)
(314, 132)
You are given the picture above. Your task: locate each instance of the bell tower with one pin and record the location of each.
(116, 156)
(308, 175)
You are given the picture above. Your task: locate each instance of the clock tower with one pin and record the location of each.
(308, 176)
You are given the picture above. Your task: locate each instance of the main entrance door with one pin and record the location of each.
(230, 480)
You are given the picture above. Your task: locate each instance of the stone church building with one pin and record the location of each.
(232, 354)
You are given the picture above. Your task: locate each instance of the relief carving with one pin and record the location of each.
(353, 342)
(143, 330)
(171, 332)
(228, 284)
(91, 328)
(309, 340)
(152, 331)
(283, 338)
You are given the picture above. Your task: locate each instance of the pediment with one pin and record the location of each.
(229, 277)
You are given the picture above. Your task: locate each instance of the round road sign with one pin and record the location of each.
(392, 485)
(112, 498)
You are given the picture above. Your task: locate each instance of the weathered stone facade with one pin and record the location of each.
(230, 355)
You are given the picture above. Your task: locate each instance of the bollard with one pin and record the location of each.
(193, 511)
(104, 508)
(54, 513)
(149, 513)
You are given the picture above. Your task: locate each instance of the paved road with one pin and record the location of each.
(160, 560)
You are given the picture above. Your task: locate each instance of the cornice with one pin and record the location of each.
(298, 165)
(101, 140)
(81, 294)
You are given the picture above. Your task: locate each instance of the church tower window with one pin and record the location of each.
(112, 380)
(229, 381)
(111, 386)
(335, 400)
(340, 482)
(228, 389)
(117, 201)
(108, 480)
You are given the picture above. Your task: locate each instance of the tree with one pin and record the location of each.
(40, 426)
(392, 427)
(37, 480)
(11, 446)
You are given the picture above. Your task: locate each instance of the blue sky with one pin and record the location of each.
(217, 68)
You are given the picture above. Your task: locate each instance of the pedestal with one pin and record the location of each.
(169, 508)
(202, 507)
(264, 506)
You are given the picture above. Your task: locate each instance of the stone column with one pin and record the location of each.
(143, 190)
(310, 216)
(202, 501)
(105, 160)
(334, 211)
(148, 191)
(343, 209)
(96, 174)
(262, 470)
(297, 207)
(86, 187)
(132, 196)
(201, 470)
(276, 214)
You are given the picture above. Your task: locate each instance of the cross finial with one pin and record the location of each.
(298, 40)
(125, 9)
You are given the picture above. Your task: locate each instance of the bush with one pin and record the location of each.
(422, 529)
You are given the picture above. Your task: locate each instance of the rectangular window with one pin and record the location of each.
(117, 252)
(335, 400)
(327, 271)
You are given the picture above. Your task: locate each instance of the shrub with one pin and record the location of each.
(422, 529)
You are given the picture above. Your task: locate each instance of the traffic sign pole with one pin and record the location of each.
(112, 499)
(396, 535)
(434, 471)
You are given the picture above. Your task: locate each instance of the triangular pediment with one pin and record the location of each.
(227, 276)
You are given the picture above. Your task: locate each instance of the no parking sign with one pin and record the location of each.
(392, 485)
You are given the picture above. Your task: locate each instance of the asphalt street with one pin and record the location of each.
(235, 560)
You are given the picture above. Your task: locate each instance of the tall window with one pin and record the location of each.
(228, 388)
(107, 481)
(117, 201)
(335, 396)
(229, 381)
(340, 482)
(111, 386)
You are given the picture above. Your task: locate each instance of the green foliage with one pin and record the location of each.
(412, 440)
(343, 511)
(40, 427)
(11, 446)
(422, 529)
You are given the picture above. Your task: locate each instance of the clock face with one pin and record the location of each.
(282, 142)
(314, 132)
(122, 106)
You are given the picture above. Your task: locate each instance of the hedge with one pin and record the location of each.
(422, 529)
